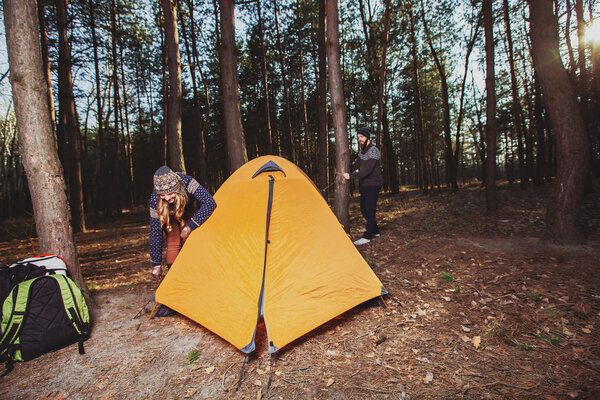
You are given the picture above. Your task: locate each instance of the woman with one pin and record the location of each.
(167, 212)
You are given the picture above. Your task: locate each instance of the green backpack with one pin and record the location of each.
(42, 315)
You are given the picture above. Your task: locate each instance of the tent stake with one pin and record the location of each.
(384, 303)
(152, 312)
(242, 373)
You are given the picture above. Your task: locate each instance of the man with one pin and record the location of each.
(371, 180)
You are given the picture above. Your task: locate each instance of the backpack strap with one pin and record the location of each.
(19, 296)
(74, 311)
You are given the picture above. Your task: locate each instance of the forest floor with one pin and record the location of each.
(478, 308)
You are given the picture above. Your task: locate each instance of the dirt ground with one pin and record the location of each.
(479, 308)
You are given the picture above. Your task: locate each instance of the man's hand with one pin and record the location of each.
(157, 272)
(346, 176)
(185, 232)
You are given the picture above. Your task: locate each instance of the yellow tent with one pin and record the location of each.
(272, 248)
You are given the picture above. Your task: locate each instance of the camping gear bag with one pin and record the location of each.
(42, 315)
(50, 262)
(29, 268)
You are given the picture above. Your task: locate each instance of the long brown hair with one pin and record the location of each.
(165, 212)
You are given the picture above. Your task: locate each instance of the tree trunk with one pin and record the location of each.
(338, 107)
(517, 110)
(46, 61)
(101, 147)
(392, 164)
(388, 159)
(572, 64)
(201, 123)
(448, 153)
(44, 176)
(470, 45)
(234, 133)
(127, 142)
(68, 117)
(572, 145)
(490, 102)
(266, 142)
(164, 94)
(581, 61)
(322, 131)
(288, 138)
(115, 194)
(174, 108)
(304, 116)
(421, 167)
(538, 111)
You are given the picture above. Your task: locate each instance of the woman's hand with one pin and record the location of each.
(185, 232)
(157, 272)
(346, 176)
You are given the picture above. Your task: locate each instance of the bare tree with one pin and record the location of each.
(338, 109)
(448, 154)
(266, 142)
(40, 160)
(101, 148)
(68, 122)
(572, 142)
(419, 136)
(174, 107)
(517, 110)
(322, 131)
(490, 103)
(201, 123)
(234, 132)
(288, 138)
(46, 59)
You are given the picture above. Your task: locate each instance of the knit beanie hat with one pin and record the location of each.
(366, 132)
(167, 181)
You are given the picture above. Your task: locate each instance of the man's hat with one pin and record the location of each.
(366, 132)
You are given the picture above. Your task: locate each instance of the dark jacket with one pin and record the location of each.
(207, 206)
(368, 165)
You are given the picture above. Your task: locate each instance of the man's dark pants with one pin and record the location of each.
(368, 206)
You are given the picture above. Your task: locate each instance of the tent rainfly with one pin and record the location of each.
(271, 249)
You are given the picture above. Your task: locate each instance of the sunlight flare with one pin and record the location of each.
(592, 33)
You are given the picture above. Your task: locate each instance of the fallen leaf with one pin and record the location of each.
(476, 341)
(257, 383)
(428, 378)
(260, 371)
(567, 332)
(209, 370)
(330, 382)
(465, 338)
(586, 330)
(573, 394)
(465, 329)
